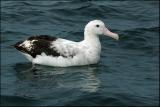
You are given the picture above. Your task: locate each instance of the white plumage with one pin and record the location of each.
(61, 52)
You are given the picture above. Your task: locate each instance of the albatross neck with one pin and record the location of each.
(91, 38)
(93, 43)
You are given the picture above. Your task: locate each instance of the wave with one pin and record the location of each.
(13, 100)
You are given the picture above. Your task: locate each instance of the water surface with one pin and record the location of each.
(127, 74)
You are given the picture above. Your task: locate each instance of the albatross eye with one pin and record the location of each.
(97, 25)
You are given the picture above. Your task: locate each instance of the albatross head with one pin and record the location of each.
(97, 27)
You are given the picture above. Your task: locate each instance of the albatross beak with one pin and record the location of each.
(110, 34)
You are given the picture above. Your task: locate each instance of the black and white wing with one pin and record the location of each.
(36, 45)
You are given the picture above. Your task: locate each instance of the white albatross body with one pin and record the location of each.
(63, 53)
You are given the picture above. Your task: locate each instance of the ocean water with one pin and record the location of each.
(127, 74)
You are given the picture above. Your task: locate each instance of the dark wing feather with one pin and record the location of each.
(43, 37)
(40, 44)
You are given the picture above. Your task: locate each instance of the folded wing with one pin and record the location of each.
(36, 45)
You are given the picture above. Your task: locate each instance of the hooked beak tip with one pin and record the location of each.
(117, 37)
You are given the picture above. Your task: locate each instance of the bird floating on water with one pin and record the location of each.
(52, 51)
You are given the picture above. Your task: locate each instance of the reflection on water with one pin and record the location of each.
(44, 77)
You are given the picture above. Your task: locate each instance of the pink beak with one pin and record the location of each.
(110, 34)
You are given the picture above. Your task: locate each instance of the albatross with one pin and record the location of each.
(59, 52)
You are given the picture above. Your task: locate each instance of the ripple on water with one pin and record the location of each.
(127, 73)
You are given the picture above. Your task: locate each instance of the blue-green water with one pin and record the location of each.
(127, 74)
